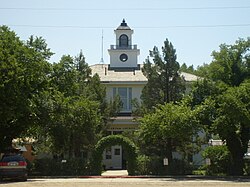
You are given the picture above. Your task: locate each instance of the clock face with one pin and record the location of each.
(123, 57)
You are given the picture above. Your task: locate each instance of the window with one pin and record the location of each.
(125, 95)
(108, 153)
(123, 57)
(117, 132)
(108, 157)
(117, 151)
(107, 133)
(123, 41)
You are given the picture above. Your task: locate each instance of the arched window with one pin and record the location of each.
(123, 41)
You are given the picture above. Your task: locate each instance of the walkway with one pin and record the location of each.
(115, 173)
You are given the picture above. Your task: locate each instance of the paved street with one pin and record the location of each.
(127, 182)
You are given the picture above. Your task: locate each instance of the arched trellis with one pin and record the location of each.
(109, 141)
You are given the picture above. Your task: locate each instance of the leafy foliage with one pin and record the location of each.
(60, 105)
(24, 74)
(40, 46)
(55, 167)
(186, 69)
(171, 127)
(109, 141)
(232, 123)
(205, 89)
(74, 108)
(202, 70)
(231, 64)
(227, 114)
(220, 159)
(227, 99)
(153, 165)
(74, 125)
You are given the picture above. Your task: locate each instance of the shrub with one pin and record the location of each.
(247, 167)
(199, 172)
(150, 165)
(143, 165)
(154, 166)
(108, 141)
(55, 167)
(220, 160)
(180, 167)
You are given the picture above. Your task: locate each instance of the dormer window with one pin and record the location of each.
(123, 40)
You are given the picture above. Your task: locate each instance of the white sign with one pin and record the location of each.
(165, 161)
(208, 161)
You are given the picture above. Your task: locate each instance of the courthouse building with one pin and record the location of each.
(123, 76)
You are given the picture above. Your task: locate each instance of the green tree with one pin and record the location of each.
(186, 69)
(183, 67)
(74, 126)
(190, 69)
(164, 81)
(40, 46)
(171, 127)
(24, 74)
(226, 99)
(232, 123)
(65, 76)
(74, 110)
(202, 71)
(205, 89)
(81, 66)
(231, 64)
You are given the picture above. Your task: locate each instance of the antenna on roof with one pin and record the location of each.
(102, 61)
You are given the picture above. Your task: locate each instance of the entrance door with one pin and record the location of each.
(117, 157)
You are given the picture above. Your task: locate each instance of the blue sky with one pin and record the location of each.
(195, 27)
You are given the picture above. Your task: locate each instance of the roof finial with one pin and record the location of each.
(124, 24)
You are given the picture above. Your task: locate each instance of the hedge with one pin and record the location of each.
(109, 141)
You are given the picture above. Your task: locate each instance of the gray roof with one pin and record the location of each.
(189, 77)
(123, 26)
(107, 75)
(132, 76)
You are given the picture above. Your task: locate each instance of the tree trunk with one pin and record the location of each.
(237, 153)
(237, 165)
(169, 150)
(167, 90)
(169, 155)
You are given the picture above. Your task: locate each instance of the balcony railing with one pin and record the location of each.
(123, 47)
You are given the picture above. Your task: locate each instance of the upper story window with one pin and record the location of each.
(123, 40)
(125, 95)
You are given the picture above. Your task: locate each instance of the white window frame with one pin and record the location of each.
(128, 98)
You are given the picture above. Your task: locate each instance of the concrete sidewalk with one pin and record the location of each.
(116, 173)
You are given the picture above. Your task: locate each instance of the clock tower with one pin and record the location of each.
(124, 54)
